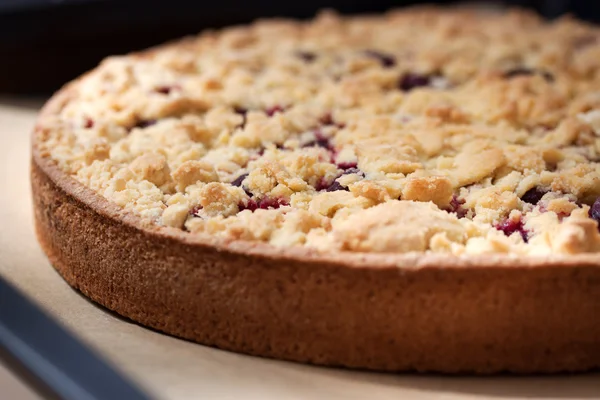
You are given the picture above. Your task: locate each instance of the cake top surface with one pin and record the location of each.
(421, 130)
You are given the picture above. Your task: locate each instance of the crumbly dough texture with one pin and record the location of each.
(426, 130)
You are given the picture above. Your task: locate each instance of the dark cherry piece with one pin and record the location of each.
(327, 119)
(533, 195)
(164, 89)
(323, 184)
(238, 181)
(509, 226)
(335, 185)
(548, 76)
(306, 56)
(594, 212)
(144, 123)
(411, 81)
(320, 141)
(330, 187)
(522, 71)
(88, 123)
(456, 206)
(353, 170)
(386, 60)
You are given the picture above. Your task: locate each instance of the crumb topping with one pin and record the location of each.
(425, 129)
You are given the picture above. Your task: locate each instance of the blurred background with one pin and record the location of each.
(45, 43)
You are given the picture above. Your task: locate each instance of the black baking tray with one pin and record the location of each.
(44, 43)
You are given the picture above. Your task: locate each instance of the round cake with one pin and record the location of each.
(409, 191)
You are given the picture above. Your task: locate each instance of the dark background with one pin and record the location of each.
(44, 43)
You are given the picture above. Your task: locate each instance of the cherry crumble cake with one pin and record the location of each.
(364, 191)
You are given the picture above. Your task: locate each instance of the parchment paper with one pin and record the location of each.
(171, 368)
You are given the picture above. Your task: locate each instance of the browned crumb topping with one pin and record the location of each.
(419, 130)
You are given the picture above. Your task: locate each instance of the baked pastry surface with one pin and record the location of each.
(412, 191)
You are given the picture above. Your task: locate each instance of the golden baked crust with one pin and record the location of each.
(361, 308)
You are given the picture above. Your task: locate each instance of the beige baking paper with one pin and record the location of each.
(170, 368)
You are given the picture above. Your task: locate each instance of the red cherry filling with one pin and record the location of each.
(327, 120)
(88, 123)
(273, 110)
(323, 184)
(320, 141)
(456, 206)
(265, 203)
(347, 166)
(510, 226)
